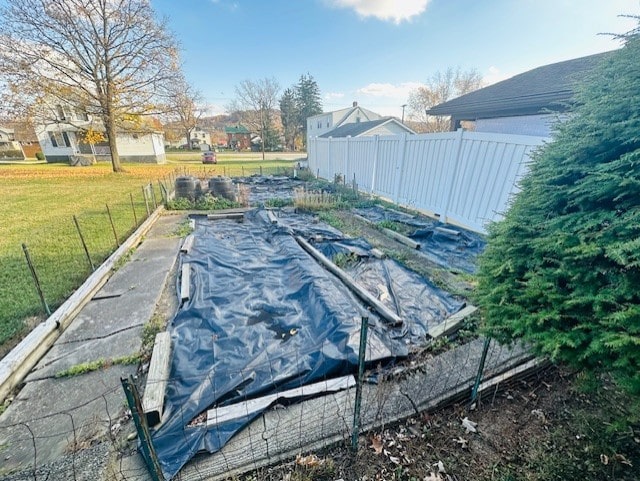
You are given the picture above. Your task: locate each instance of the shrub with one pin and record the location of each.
(562, 270)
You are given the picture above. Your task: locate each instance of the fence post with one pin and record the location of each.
(346, 158)
(146, 201)
(456, 168)
(84, 244)
(133, 209)
(153, 196)
(376, 140)
(400, 168)
(362, 354)
(113, 227)
(36, 281)
(139, 419)
(329, 166)
(483, 359)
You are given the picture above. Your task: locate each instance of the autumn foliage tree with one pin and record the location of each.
(442, 86)
(108, 58)
(561, 271)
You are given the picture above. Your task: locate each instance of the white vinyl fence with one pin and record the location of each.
(464, 178)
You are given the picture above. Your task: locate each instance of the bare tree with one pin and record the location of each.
(185, 106)
(442, 86)
(256, 101)
(107, 58)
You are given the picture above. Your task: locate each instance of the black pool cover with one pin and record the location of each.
(264, 316)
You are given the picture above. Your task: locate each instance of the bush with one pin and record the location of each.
(562, 270)
(39, 155)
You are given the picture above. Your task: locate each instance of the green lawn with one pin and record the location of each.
(37, 206)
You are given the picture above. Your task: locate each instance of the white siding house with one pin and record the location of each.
(9, 148)
(322, 123)
(381, 126)
(63, 138)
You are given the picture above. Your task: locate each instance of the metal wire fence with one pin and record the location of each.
(93, 439)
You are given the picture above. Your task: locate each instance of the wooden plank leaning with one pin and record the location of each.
(153, 400)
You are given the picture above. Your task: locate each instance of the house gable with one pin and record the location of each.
(382, 126)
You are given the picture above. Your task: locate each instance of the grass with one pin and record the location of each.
(97, 365)
(37, 208)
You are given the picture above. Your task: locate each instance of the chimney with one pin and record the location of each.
(355, 104)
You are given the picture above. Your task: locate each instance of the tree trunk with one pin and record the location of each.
(110, 126)
(188, 137)
(111, 137)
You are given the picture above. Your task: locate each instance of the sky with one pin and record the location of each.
(376, 51)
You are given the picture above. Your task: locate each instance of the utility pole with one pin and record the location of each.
(403, 106)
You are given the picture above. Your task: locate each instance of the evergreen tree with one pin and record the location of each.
(308, 101)
(562, 270)
(289, 115)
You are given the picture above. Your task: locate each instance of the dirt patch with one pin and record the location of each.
(29, 324)
(541, 429)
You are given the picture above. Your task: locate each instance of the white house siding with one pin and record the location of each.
(464, 178)
(537, 125)
(390, 128)
(141, 147)
(322, 123)
(59, 152)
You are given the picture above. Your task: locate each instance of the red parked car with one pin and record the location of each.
(209, 157)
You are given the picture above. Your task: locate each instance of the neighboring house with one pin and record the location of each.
(382, 126)
(199, 139)
(238, 137)
(9, 148)
(526, 104)
(320, 124)
(63, 139)
(26, 136)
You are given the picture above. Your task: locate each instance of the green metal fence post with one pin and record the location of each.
(362, 354)
(113, 227)
(133, 209)
(483, 359)
(84, 244)
(139, 419)
(36, 281)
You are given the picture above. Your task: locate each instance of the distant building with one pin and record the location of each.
(320, 124)
(62, 139)
(526, 104)
(382, 126)
(238, 137)
(9, 147)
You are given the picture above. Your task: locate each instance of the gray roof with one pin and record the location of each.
(357, 128)
(549, 87)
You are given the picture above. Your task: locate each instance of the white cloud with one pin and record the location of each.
(494, 75)
(400, 91)
(329, 96)
(396, 11)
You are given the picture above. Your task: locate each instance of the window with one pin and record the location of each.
(327, 124)
(59, 139)
(357, 119)
(319, 124)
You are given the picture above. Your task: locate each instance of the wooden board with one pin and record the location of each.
(391, 317)
(272, 217)
(399, 237)
(229, 215)
(187, 244)
(185, 281)
(22, 358)
(452, 323)
(235, 411)
(153, 401)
